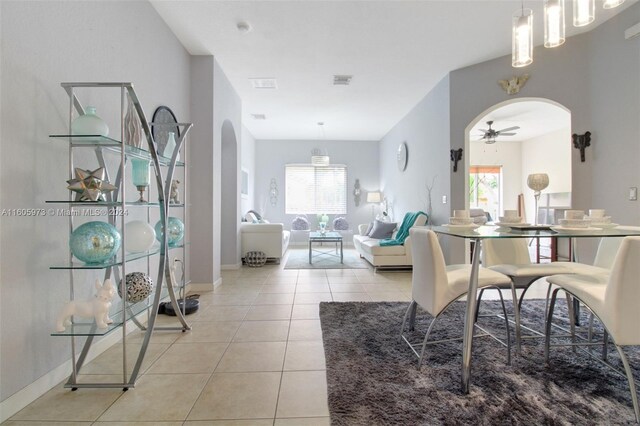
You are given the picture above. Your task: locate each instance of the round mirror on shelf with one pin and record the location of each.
(163, 122)
(402, 156)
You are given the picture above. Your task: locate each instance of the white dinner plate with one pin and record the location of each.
(512, 225)
(470, 226)
(566, 230)
(604, 225)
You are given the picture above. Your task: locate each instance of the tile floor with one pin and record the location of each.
(254, 356)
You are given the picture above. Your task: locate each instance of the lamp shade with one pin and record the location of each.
(374, 197)
(522, 38)
(538, 181)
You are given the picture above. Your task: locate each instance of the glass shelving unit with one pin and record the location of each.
(122, 312)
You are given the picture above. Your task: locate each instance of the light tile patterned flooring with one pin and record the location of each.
(254, 356)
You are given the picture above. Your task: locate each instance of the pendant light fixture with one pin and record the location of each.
(553, 23)
(522, 40)
(583, 12)
(320, 156)
(610, 4)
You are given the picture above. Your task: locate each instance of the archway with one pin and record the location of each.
(541, 144)
(229, 200)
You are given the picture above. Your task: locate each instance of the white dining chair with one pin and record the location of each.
(435, 286)
(613, 299)
(510, 256)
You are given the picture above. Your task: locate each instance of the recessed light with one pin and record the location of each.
(263, 83)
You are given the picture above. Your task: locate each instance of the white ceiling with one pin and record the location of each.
(535, 118)
(396, 50)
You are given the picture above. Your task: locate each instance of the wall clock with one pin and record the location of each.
(402, 156)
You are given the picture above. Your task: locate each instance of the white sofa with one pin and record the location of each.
(270, 238)
(385, 256)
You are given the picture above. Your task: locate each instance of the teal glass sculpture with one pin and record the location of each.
(175, 232)
(95, 242)
(141, 176)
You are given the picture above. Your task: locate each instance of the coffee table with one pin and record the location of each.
(327, 237)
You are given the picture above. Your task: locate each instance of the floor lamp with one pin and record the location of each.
(375, 198)
(537, 182)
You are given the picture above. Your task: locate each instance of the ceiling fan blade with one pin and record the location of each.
(508, 129)
(483, 130)
(507, 134)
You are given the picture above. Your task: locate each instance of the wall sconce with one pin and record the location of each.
(581, 142)
(140, 176)
(356, 192)
(273, 192)
(456, 155)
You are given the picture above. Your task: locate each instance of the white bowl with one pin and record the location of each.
(574, 223)
(600, 220)
(509, 219)
(460, 221)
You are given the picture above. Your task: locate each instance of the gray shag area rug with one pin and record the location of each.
(299, 259)
(373, 378)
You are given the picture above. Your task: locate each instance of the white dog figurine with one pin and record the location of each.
(96, 307)
(173, 196)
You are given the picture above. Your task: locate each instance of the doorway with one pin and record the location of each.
(537, 140)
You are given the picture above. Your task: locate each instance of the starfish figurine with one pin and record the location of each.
(90, 185)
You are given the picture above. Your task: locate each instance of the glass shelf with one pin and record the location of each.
(77, 264)
(107, 204)
(115, 313)
(112, 145)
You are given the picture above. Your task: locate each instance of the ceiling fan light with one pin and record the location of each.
(522, 40)
(553, 23)
(583, 12)
(610, 4)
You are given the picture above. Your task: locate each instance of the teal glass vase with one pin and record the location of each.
(175, 232)
(95, 242)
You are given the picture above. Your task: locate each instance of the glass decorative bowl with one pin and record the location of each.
(95, 242)
(175, 233)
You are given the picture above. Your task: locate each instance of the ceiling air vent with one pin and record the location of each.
(342, 80)
(263, 83)
(259, 116)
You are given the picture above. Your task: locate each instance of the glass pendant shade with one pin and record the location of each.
(553, 23)
(522, 41)
(583, 12)
(610, 4)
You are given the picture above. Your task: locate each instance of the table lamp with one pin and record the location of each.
(375, 198)
(537, 182)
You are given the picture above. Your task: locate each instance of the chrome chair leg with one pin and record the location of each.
(475, 320)
(516, 314)
(632, 385)
(413, 305)
(506, 322)
(424, 343)
(547, 333)
(605, 345)
(572, 320)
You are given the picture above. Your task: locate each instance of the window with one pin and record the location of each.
(315, 190)
(485, 188)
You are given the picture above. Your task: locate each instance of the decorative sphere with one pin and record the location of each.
(139, 286)
(139, 236)
(94, 242)
(175, 233)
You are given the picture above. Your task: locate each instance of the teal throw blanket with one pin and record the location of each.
(403, 232)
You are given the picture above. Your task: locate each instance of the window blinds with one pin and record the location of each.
(314, 190)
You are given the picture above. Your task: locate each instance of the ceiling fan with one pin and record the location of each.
(490, 135)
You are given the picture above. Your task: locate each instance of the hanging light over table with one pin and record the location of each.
(553, 23)
(522, 41)
(583, 12)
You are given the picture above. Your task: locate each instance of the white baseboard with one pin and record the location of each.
(230, 267)
(36, 389)
(201, 286)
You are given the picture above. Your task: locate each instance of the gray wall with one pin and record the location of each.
(248, 162)
(426, 132)
(43, 44)
(361, 158)
(214, 101)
